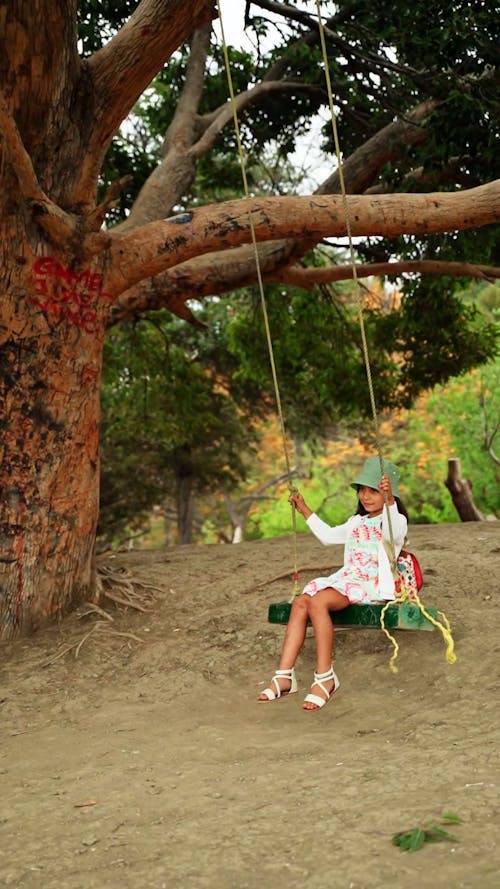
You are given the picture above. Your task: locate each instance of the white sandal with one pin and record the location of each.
(319, 679)
(274, 692)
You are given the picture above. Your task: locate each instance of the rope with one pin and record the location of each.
(357, 288)
(443, 624)
(260, 282)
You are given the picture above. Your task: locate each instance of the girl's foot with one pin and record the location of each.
(322, 689)
(282, 684)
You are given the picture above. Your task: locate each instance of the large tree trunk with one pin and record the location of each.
(58, 115)
(50, 367)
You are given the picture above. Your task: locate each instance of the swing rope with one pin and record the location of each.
(357, 287)
(265, 315)
(443, 624)
(407, 594)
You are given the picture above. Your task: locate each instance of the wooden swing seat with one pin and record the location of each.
(399, 616)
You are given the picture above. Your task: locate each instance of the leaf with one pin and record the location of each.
(412, 840)
(437, 833)
(417, 840)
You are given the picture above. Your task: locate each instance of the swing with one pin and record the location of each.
(406, 612)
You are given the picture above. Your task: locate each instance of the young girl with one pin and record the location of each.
(365, 577)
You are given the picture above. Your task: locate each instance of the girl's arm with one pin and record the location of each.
(326, 534)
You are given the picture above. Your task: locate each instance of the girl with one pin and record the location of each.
(365, 577)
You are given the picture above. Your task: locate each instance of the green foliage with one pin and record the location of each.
(164, 412)
(384, 60)
(98, 20)
(326, 489)
(436, 335)
(469, 409)
(318, 351)
(415, 838)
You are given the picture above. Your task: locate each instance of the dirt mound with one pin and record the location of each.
(145, 761)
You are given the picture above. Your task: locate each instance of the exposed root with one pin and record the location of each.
(100, 628)
(121, 587)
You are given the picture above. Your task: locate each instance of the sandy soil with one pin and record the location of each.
(149, 763)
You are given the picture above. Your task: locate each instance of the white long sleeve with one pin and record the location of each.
(328, 534)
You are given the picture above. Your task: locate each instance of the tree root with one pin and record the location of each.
(98, 629)
(121, 587)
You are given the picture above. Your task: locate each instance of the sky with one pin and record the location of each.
(307, 154)
(233, 16)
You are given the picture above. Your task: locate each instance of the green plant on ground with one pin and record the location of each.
(416, 837)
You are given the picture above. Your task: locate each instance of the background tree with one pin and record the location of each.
(63, 271)
(171, 431)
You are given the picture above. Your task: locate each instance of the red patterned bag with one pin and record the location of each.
(410, 573)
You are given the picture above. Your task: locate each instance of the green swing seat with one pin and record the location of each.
(399, 616)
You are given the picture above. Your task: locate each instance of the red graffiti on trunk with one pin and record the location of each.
(67, 295)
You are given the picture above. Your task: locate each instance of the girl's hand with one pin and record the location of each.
(385, 488)
(296, 499)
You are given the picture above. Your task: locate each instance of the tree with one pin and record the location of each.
(170, 429)
(64, 273)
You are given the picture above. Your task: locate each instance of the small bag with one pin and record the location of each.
(410, 578)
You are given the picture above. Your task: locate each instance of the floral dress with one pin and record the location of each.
(358, 579)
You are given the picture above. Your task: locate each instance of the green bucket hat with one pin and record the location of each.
(370, 475)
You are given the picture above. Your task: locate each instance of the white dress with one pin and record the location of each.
(366, 574)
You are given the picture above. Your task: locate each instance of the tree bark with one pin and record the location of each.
(184, 494)
(461, 493)
(153, 248)
(50, 368)
(57, 118)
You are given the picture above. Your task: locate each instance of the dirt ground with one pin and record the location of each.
(148, 763)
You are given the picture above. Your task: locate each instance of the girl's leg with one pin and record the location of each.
(321, 604)
(294, 639)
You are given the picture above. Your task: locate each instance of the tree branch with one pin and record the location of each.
(224, 271)
(122, 70)
(310, 277)
(197, 278)
(384, 147)
(213, 275)
(55, 222)
(224, 115)
(174, 175)
(155, 247)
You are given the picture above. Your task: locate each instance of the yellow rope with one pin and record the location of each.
(262, 298)
(442, 625)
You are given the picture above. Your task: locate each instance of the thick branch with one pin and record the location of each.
(122, 69)
(461, 493)
(386, 146)
(199, 277)
(224, 115)
(160, 245)
(225, 271)
(173, 177)
(53, 220)
(38, 64)
(213, 275)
